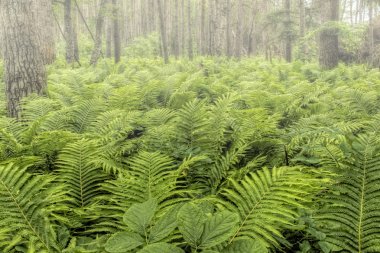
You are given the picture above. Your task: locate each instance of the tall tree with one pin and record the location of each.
(43, 19)
(116, 31)
(371, 32)
(97, 52)
(228, 29)
(288, 35)
(239, 29)
(70, 36)
(328, 38)
(189, 31)
(175, 34)
(109, 38)
(164, 43)
(24, 66)
(203, 38)
(302, 28)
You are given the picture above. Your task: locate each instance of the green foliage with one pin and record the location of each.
(212, 155)
(352, 216)
(27, 211)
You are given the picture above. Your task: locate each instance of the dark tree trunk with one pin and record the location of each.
(24, 66)
(163, 32)
(97, 52)
(329, 43)
(189, 31)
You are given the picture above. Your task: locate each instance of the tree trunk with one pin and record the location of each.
(43, 19)
(203, 28)
(163, 32)
(228, 29)
(175, 34)
(329, 43)
(24, 67)
(302, 28)
(109, 38)
(97, 52)
(183, 24)
(288, 39)
(69, 32)
(116, 31)
(189, 31)
(239, 30)
(371, 33)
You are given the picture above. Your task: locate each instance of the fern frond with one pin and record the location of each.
(24, 198)
(78, 173)
(266, 202)
(352, 215)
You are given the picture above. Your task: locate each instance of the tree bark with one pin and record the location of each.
(371, 33)
(228, 29)
(175, 34)
(44, 21)
(97, 52)
(163, 32)
(239, 30)
(203, 28)
(302, 28)
(288, 39)
(24, 66)
(116, 32)
(69, 32)
(189, 31)
(109, 38)
(329, 43)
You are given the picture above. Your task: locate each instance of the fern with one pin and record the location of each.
(352, 213)
(78, 173)
(266, 202)
(25, 202)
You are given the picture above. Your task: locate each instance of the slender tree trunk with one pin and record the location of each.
(329, 43)
(175, 36)
(97, 52)
(116, 31)
(203, 28)
(43, 10)
(183, 29)
(302, 28)
(75, 37)
(228, 29)
(69, 32)
(371, 33)
(189, 31)
(288, 40)
(163, 32)
(109, 38)
(24, 66)
(239, 30)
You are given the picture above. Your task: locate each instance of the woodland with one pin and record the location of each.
(189, 126)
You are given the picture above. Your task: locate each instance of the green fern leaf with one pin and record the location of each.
(123, 241)
(139, 216)
(24, 200)
(161, 247)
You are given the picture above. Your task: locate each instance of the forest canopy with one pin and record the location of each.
(189, 126)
